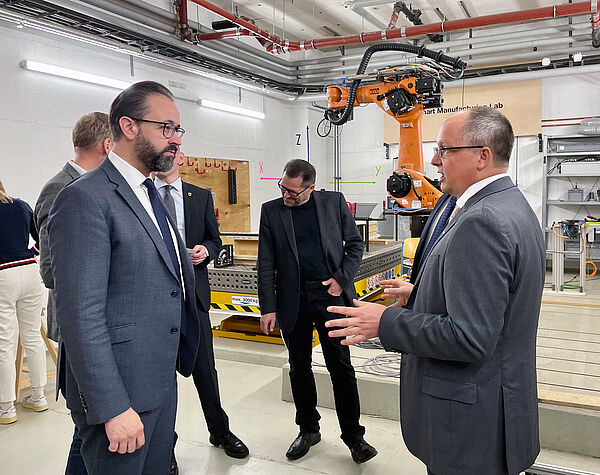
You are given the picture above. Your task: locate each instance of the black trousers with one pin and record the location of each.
(153, 458)
(206, 382)
(314, 301)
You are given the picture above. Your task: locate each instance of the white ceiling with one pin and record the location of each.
(140, 23)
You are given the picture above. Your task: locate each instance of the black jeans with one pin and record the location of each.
(314, 301)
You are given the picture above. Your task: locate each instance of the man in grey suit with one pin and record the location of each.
(92, 141)
(124, 289)
(468, 391)
(309, 250)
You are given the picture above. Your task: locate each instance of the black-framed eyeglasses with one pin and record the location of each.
(292, 193)
(439, 151)
(168, 129)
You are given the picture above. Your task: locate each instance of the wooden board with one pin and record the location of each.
(561, 398)
(211, 173)
(519, 101)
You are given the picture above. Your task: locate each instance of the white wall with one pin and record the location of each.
(38, 112)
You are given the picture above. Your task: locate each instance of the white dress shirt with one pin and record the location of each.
(177, 194)
(78, 169)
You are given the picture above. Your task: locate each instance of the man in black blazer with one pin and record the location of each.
(309, 250)
(193, 210)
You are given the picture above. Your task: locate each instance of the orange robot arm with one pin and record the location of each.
(404, 101)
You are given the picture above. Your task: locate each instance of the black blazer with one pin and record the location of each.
(201, 227)
(278, 266)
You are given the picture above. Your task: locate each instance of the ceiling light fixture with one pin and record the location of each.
(233, 109)
(73, 74)
(545, 61)
(577, 57)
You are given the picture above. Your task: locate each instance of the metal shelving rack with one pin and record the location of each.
(557, 150)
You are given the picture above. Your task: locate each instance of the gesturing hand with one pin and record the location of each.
(362, 324)
(397, 289)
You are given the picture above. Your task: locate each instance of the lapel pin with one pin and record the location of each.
(189, 193)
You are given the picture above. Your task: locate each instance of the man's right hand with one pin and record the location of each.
(397, 289)
(125, 432)
(267, 322)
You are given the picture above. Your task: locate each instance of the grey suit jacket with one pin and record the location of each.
(118, 299)
(40, 217)
(278, 267)
(468, 392)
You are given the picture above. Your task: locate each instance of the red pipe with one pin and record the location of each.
(222, 34)
(280, 46)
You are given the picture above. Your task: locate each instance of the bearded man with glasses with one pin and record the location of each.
(309, 250)
(125, 296)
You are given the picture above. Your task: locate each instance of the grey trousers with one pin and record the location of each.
(154, 458)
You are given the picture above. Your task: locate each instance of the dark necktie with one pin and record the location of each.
(439, 227)
(168, 201)
(161, 218)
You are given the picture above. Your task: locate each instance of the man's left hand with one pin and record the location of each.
(200, 255)
(362, 324)
(334, 289)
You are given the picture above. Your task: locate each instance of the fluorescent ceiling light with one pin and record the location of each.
(72, 74)
(228, 108)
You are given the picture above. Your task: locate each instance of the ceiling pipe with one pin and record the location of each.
(489, 39)
(555, 11)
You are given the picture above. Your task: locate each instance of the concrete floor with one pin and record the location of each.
(251, 393)
(38, 443)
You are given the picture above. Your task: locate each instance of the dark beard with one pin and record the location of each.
(153, 160)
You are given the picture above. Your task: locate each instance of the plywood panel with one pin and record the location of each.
(520, 101)
(211, 173)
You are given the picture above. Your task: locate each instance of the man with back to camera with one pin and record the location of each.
(92, 141)
(468, 393)
(124, 288)
(309, 250)
(192, 208)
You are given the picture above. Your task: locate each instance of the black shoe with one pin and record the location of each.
(173, 469)
(361, 451)
(233, 446)
(303, 442)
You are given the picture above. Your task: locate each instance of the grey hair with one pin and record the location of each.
(488, 127)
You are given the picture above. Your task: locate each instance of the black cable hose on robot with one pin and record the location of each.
(333, 115)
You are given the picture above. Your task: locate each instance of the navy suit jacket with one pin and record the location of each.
(118, 299)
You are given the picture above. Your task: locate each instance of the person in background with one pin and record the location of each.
(192, 208)
(20, 307)
(92, 141)
(309, 250)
